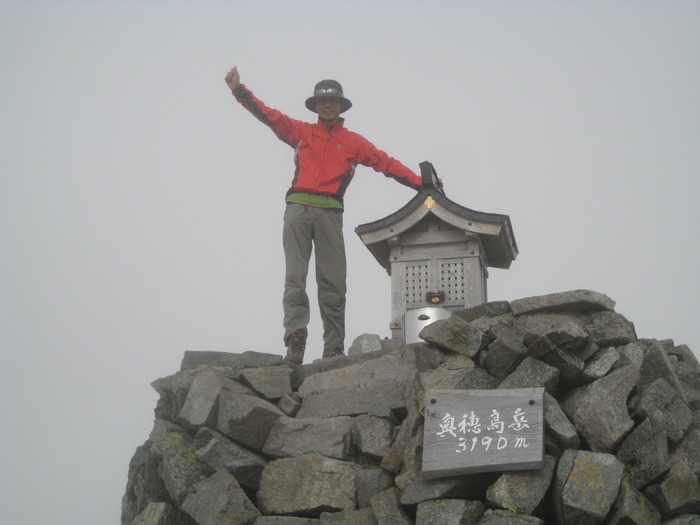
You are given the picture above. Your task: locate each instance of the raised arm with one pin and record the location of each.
(287, 129)
(233, 79)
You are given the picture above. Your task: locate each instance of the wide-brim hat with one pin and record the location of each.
(328, 88)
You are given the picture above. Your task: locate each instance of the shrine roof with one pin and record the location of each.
(494, 230)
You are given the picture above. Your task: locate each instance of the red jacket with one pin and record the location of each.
(325, 159)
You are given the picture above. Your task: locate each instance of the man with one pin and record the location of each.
(325, 157)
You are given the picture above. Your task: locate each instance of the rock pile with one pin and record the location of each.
(246, 439)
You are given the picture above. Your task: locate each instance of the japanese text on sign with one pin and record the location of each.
(471, 433)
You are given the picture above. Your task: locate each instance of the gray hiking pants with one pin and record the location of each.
(307, 227)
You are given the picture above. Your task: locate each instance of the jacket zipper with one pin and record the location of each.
(323, 160)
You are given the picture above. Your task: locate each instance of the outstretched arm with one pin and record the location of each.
(369, 155)
(233, 79)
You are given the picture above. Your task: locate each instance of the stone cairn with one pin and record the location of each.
(247, 439)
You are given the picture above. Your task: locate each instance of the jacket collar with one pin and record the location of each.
(338, 124)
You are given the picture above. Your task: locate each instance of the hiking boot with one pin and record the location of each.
(332, 353)
(296, 344)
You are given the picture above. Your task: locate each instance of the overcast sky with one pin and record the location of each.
(141, 206)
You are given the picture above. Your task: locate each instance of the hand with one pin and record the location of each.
(233, 79)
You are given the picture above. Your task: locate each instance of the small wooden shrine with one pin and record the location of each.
(437, 254)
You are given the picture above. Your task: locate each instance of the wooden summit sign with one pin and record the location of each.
(468, 431)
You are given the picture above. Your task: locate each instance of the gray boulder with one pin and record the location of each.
(387, 508)
(217, 451)
(194, 359)
(449, 512)
(486, 310)
(569, 364)
(662, 403)
(471, 487)
(601, 363)
(505, 353)
(451, 373)
(143, 485)
(412, 456)
(289, 437)
(558, 426)
(607, 329)
(371, 481)
(283, 520)
(533, 373)
(219, 500)
(289, 404)
(350, 517)
(687, 453)
(270, 382)
(383, 400)
(478, 379)
(632, 507)
(375, 386)
(392, 366)
(307, 485)
(408, 428)
(685, 519)
(364, 344)
(676, 495)
(173, 392)
(630, 354)
(372, 436)
(162, 513)
(246, 419)
(570, 301)
(179, 467)
(687, 374)
(455, 334)
(657, 365)
(645, 454)
(599, 410)
(200, 407)
(506, 517)
(522, 491)
(545, 332)
(586, 486)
